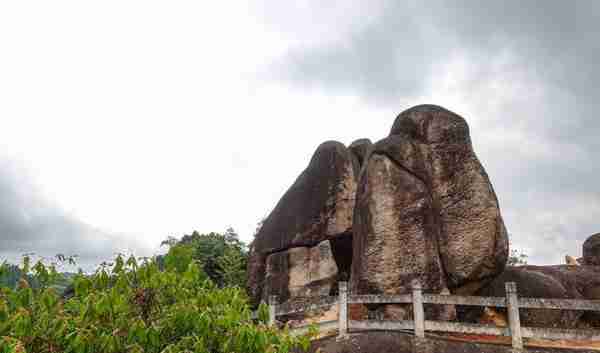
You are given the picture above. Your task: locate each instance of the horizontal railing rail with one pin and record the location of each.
(527, 303)
(290, 308)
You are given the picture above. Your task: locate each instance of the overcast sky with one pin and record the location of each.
(124, 122)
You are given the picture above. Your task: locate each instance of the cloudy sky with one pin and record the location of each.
(124, 122)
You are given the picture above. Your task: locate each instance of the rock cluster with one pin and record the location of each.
(417, 204)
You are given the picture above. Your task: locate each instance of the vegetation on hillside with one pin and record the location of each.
(135, 307)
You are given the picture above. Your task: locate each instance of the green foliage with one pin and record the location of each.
(223, 257)
(135, 307)
(232, 267)
(179, 257)
(11, 274)
(516, 258)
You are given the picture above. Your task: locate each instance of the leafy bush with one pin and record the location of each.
(11, 274)
(134, 307)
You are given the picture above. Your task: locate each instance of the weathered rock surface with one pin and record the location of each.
(591, 250)
(581, 282)
(302, 271)
(395, 238)
(426, 209)
(319, 206)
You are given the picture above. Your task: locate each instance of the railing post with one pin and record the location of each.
(512, 303)
(272, 309)
(418, 312)
(343, 310)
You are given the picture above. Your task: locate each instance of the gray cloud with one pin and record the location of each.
(530, 78)
(30, 223)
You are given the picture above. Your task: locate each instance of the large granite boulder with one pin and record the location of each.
(591, 250)
(395, 238)
(314, 216)
(426, 209)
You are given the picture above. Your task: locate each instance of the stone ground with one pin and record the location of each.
(397, 342)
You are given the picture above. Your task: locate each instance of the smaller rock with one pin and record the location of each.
(591, 250)
(301, 272)
(571, 261)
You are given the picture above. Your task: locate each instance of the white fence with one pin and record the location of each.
(420, 324)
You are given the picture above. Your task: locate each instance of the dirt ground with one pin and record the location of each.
(396, 342)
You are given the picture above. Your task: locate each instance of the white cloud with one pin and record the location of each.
(147, 118)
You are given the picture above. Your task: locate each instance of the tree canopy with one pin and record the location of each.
(223, 256)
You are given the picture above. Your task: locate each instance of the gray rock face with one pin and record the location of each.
(396, 240)
(426, 209)
(319, 206)
(591, 250)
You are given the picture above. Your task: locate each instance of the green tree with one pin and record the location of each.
(223, 256)
(232, 266)
(179, 257)
(516, 258)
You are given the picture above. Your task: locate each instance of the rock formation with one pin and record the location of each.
(417, 204)
(303, 246)
(426, 209)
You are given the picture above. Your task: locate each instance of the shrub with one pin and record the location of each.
(133, 307)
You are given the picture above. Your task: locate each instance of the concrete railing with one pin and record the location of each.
(420, 324)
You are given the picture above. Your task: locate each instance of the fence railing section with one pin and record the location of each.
(420, 324)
